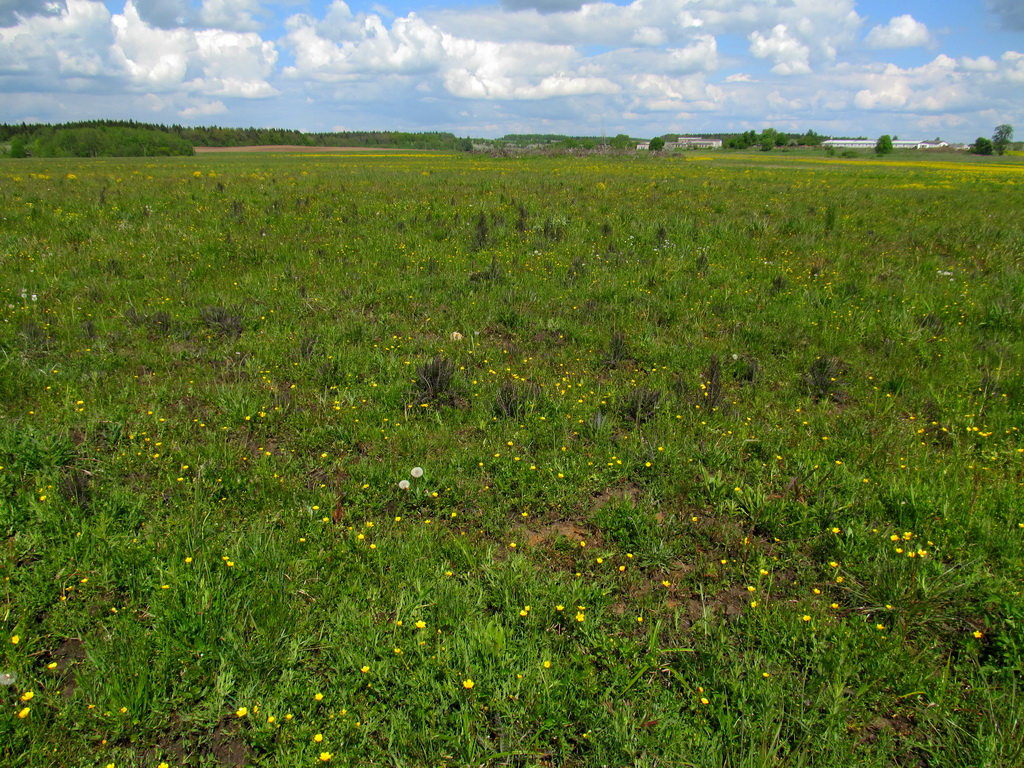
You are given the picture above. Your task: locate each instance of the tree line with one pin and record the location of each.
(128, 138)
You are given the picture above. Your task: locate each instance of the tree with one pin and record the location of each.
(657, 144)
(982, 146)
(770, 139)
(884, 145)
(622, 141)
(1002, 137)
(19, 146)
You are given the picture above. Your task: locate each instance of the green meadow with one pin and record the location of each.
(447, 460)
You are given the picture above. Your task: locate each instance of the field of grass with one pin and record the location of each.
(712, 460)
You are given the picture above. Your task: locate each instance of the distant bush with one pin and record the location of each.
(982, 146)
(102, 141)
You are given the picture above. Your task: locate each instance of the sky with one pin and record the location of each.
(917, 69)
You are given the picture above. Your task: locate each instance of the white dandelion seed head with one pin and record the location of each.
(404, 485)
(417, 472)
(8, 679)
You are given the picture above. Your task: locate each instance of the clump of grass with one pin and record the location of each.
(75, 487)
(712, 387)
(491, 274)
(223, 321)
(745, 369)
(618, 350)
(434, 378)
(33, 336)
(481, 232)
(157, 322)
(639, 404)
(822, 380)
(514, 399)
(931, 323)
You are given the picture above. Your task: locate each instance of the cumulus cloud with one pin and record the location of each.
(467, 68)
(662, 93)
(940, 85)
(1010, 12)
(204, 109)
(12, 10)
(72, 44)
(87, 49)
(901, 32)
(543, 6)
(790, 56)
(234, 15)
(980, 64)
(165, 14)
(213, 61)
(1013, 67)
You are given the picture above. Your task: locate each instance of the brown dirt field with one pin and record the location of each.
(299, 148)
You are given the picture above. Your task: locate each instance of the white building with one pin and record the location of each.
(686, 142)
(870, 144)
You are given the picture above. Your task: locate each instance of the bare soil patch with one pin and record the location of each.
(298, 148)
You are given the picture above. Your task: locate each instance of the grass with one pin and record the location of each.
(721, 458)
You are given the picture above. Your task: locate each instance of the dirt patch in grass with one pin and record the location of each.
(227, 747)
(627, 492)
(68, 653)
(549, 533)
(297, 148)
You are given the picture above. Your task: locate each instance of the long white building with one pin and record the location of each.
(870, 144)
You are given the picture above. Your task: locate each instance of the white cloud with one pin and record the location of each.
(901, 32)
(165, 14)
(204, 109)
(980, 64)
(543, 6)
(649, 36)
(86, 49)
(467, 68)
(235, 15)
(212, 61)
(779, 102)
(941, 85)
(662, 93)
(71, 44)
(13, 10)
(790, 56)
(1014, 67)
